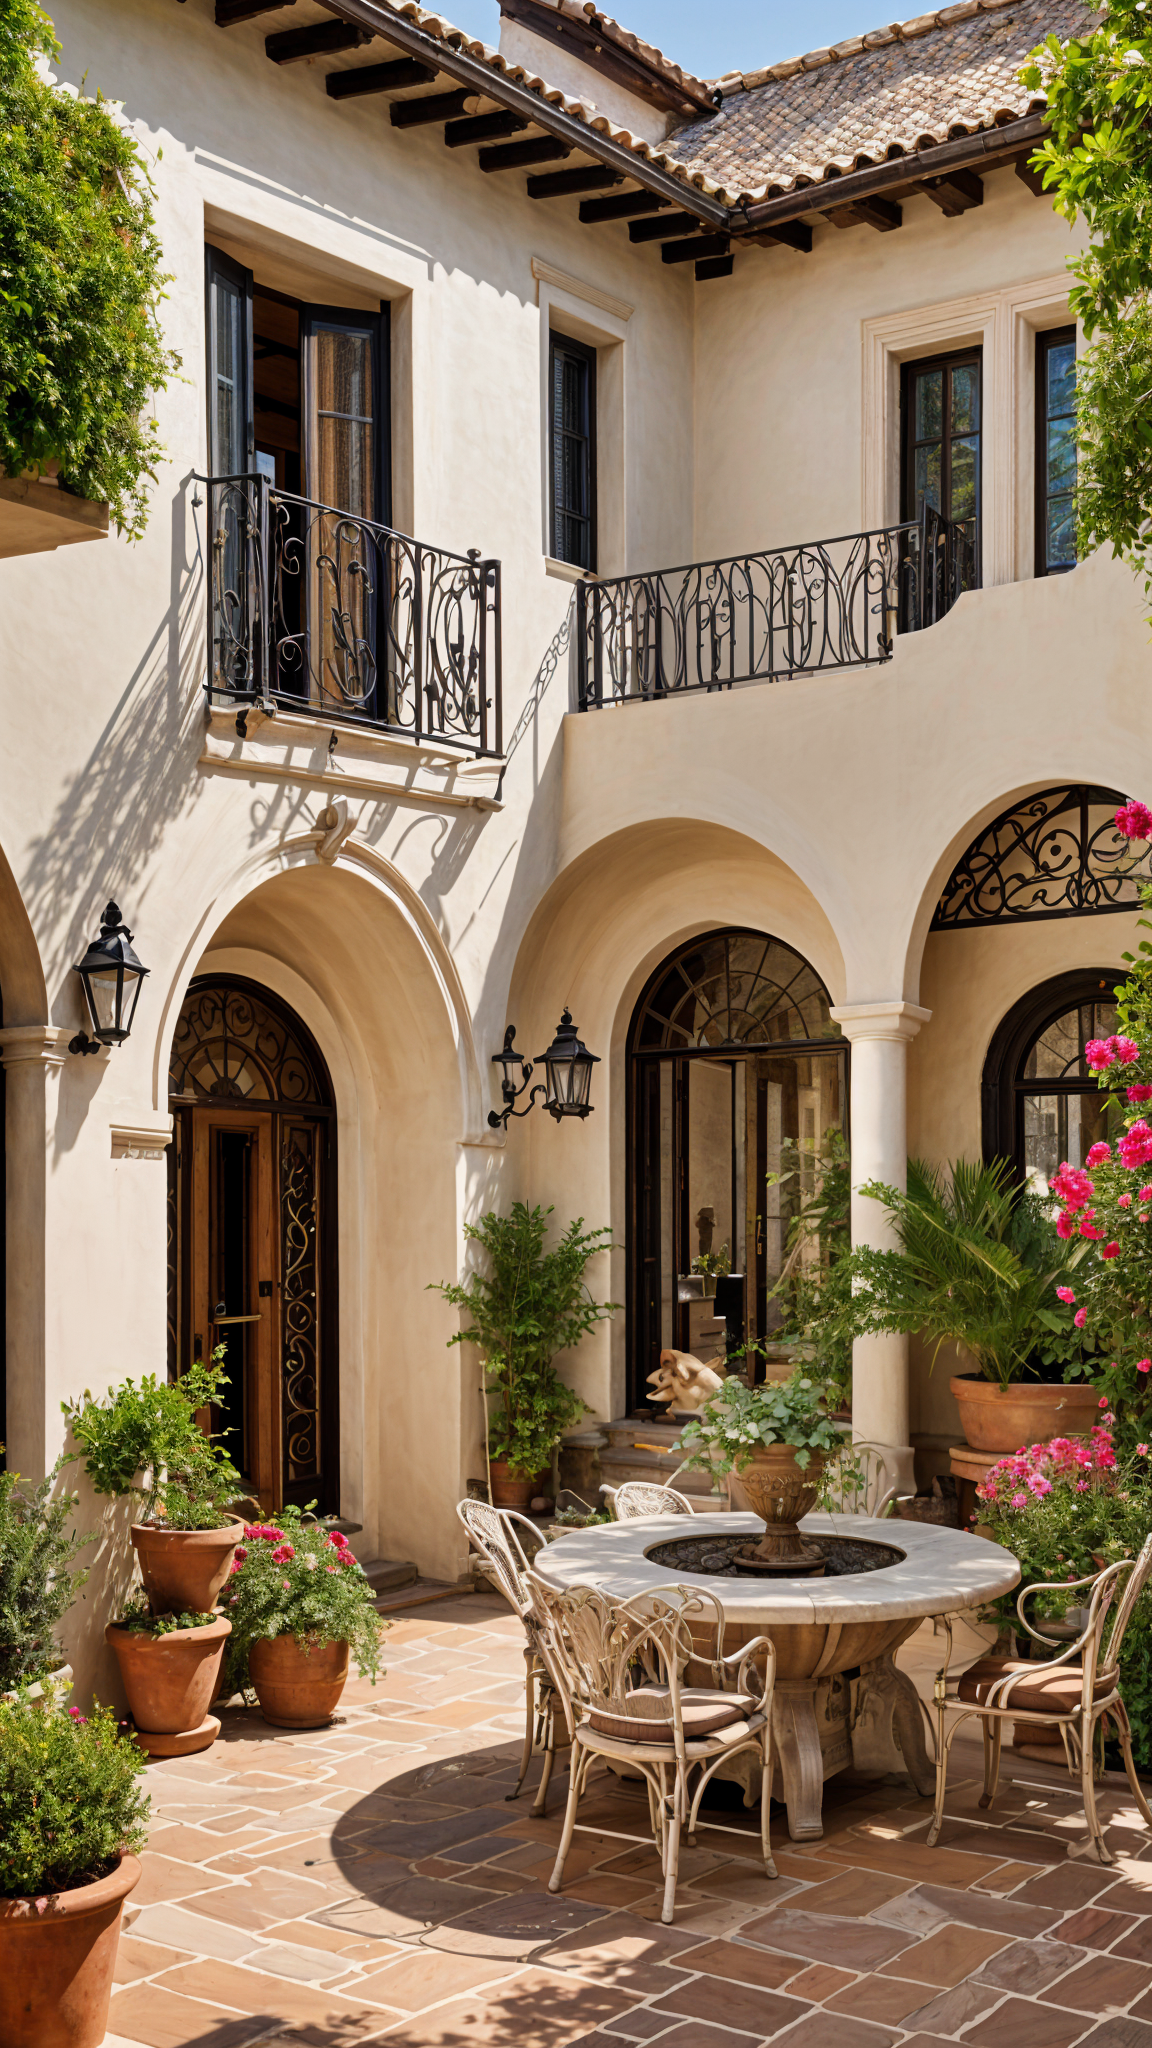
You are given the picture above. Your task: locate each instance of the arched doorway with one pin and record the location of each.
(736, 1073)
(1041, 1102)
(252, 1233)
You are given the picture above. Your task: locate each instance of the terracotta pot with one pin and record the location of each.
(170, 1680)
(511, 1492)
(780, 1491)
(56, 1966)
(184, 1569)
(298, 1686)
(1026, 1412)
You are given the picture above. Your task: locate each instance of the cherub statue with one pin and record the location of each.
(682, 1381)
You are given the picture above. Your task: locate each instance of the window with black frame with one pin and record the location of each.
(942, 434)
(1056, 451)
(1042, 1103)
(572, 444)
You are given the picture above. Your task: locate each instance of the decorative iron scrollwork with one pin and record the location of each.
(228, 1046)
(1055, 854)
(732, 990)
(313, 608)
(300, 1367)
(789, 612)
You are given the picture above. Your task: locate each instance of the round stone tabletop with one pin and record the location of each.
(939, 1571)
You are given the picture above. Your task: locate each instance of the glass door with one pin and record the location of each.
(234, 1284)
(349, 569)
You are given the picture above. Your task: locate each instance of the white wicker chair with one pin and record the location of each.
(618, 1667)
(647, 1497)
(1075, 1691)
(493, 1531)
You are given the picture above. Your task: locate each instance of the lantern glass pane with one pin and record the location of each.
(133, 983)
(581, 1081)
(103, 986)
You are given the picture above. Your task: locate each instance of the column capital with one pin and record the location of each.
(34, 1044)
(897, 1021)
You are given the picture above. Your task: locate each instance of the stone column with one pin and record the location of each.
(878, 1098)
(32, 1056)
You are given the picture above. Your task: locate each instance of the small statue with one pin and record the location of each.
(705, 1225)
(682, 1381)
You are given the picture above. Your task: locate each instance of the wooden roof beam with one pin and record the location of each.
(229, 12)
(988, 149)
(794, 234)
(321, 39)
(1033, 179)
(621, 208)
(514, 156)
(369, 78)
(695, 246)
(662, 229)
(564, 184)
(869, 210)
(955, 192)
(482, 128)
(431, 106)
(714, 266)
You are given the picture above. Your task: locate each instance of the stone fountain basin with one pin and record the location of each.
(819, 1626)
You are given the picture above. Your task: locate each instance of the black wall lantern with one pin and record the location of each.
(567, 1066)
(112, 977)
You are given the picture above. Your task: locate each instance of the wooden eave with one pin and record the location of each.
(611, 58)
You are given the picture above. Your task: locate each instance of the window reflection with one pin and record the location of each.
(1063, 1120)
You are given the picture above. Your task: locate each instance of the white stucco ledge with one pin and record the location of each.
(141, 1141)
(942, 1571)
(293, 747)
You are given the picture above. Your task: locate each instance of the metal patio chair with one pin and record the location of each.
(874, 1478)
(1077, 1696)
(648, 1497)
(493, 1531)
(618, 1668)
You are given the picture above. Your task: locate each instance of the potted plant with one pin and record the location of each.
(528, 1304)
(712, 1266)
(299, 1607)
(37, 1583)
(72, 1816)
(979, 1264)
(776, 1439)
(170, 1669)
(146, 1440)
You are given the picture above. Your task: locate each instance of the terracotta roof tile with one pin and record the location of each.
(902, 88)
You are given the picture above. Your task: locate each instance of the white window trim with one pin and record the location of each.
(1004, 323)
(569, 306)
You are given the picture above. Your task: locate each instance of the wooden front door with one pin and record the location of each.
(251, 1236)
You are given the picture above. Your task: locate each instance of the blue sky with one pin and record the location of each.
(728, 35)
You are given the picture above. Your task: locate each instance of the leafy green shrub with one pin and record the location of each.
(298, 1577)
(739, 1419)
(138, 1621)
(529, 1304)
(81, 351)
(70, 1799)
(37, 1585)
(152, 1428)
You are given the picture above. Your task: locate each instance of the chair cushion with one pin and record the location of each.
(646, 1714)
(1046, 1692)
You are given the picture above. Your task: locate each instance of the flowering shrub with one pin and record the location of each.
(298, 1577)
(1108, 1200)
(1066, 1509)
(70, 1799)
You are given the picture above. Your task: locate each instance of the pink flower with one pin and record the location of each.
(1141, 1450)
(283, 1553)
(1065, 1227)
(1125, 1050)
(1090, 1230)
(1072, 1185)
(1124, 1201)
(1145, 1194)
(1098, 1153)
(331, 1567)
(1081, 1486)
(1019, 1500)
(1097, 1055)
(241, 1553)
(235, 1566)
(1066, 1293)
(1144, 1365)
(341, 1542)
(1135, 1147)
(1110, 1251)
(1103, 1401)
(1134, 820)
(1040, 1485)
(1140, 1091)
(286, 1586)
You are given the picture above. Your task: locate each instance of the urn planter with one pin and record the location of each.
(780, 1491)
(170, 1681)
(1004, 1419)
(56, 1966)
(297, 1684)
(184, 1569)
(508, 1490)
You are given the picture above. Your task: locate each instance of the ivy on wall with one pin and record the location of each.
(81, 349)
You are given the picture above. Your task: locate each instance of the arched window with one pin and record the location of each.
(1041, 1103)
(736, 1072)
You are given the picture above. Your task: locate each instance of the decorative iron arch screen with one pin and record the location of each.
(729, 989)
(230, 1045)
(1055, 854)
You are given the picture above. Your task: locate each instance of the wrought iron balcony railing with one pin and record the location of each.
(313, 609)
(791, 612)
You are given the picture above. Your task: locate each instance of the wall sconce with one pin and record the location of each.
(567, 1066)
(111, 977)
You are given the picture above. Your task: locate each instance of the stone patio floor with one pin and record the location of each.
(369, 1882)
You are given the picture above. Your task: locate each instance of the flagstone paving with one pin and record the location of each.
(370, 1881)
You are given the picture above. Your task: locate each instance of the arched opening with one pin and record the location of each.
(736, 1074)
(252, 1233)
(1040, 1101)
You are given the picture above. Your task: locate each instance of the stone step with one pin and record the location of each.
(420, 1592)
(386, 1576)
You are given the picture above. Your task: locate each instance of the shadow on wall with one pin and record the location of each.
(111, 1565)
(136, 779)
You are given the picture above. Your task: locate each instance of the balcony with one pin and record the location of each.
(315, 610)
(761, 618)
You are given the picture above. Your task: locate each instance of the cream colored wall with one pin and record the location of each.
(826, 811)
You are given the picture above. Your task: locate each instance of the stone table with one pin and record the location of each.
(839, 1698)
